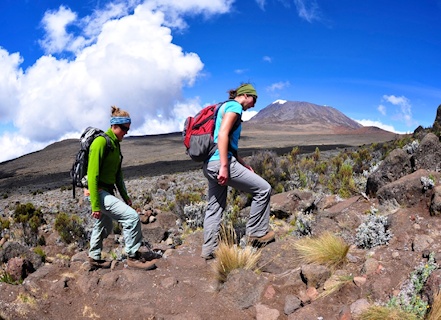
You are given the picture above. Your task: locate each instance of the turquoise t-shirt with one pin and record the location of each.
(229, 106)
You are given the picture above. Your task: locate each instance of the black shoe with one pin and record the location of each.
(207, 257)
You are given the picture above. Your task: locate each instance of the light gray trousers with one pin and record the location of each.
(241, 179)
(113, 208)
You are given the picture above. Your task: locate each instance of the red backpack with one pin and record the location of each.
(198, 133)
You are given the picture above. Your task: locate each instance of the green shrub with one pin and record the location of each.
(4, 224)
(342, 181)
(7, 278)
(69, 228)
(361, 158)
(183, 199)
(23, 213)
(409, 299)
(31, 219)
(41, 241)
(41, 253)
(316, 154)
(270, 167)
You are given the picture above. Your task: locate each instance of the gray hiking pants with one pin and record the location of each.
(241, 179)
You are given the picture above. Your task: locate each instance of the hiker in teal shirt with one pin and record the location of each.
(226, 168)
(103, 175)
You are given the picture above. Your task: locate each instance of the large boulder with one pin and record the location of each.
(285, 204)
(396, 165)
(428, 154)
(244, 288)
(435, 204)
(437, 123)
(13, 249)
(409, 190)
(18, 268)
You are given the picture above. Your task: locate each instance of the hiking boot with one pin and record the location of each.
(263, 240)
(209, 256)
(96, 264)
(138, 262)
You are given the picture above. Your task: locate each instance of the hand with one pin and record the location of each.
(222, 177)
(129, 202)
(248, 167)
(96, 214)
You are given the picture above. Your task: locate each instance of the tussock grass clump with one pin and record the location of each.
(385, 313)
(326, 249)
(230, 256)
(338, 283)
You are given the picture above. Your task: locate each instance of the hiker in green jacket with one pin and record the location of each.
(104, 174)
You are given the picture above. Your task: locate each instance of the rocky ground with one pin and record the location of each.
(184, 285)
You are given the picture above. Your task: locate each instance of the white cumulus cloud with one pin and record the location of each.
(121, 55)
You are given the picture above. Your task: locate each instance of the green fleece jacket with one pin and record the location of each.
(104, 169)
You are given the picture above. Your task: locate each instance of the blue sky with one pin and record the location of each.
(64, 63)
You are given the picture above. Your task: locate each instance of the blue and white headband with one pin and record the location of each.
(120, 120)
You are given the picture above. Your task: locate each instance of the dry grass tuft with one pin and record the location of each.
(229, 256)
(435, 311)
(385, 313)
(327, 249)
(339, 282)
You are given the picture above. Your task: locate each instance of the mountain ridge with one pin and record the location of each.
(300, 112)
(165, 153)
(300, 117)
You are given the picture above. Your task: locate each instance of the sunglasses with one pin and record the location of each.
(124, 128)
(254, 97)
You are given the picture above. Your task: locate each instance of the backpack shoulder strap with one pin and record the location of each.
(238, 120)
(109, 145)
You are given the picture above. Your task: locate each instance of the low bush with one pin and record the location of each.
(373, 232)
(183, 199)
(30, 219)
(4, 224)
(303, 224)
(409, 299)
(70, 228)
(270, 167)
(194, 214)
